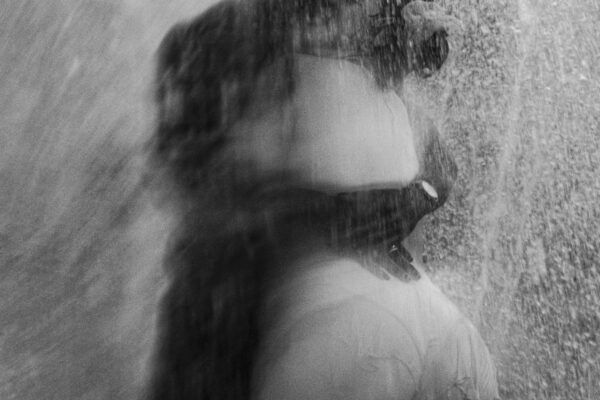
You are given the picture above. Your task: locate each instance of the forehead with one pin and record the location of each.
(339, 131)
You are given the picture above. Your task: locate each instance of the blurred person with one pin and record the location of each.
(296, 172)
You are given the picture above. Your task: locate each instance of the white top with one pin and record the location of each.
(336, 331)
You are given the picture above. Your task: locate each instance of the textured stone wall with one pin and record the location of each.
(517, 245)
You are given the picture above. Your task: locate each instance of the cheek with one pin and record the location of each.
(338, 133)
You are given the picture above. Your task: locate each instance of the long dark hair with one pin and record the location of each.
(227, 232)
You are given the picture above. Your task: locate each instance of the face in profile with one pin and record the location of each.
(283, 138)
(311, 102)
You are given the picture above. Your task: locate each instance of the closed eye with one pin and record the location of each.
(433, 53)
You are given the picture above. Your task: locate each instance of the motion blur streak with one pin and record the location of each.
(80, 247)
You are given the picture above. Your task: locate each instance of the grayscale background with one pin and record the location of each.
(516, 247)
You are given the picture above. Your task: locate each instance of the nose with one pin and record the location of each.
(438, 167)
